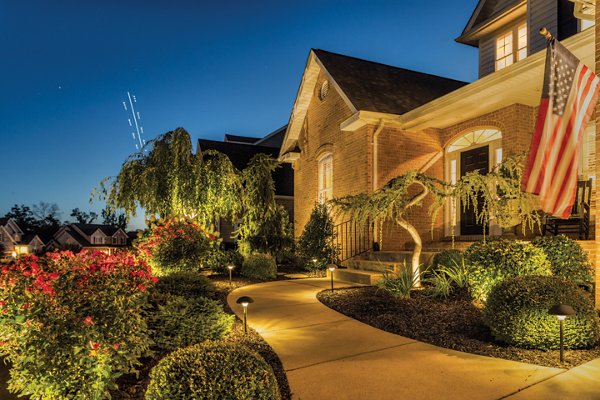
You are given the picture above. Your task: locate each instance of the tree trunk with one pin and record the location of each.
(416, 256)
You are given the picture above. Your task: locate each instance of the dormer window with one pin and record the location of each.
(511, 47)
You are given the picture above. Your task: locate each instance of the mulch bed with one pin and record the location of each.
(133, 388)
(453, 324)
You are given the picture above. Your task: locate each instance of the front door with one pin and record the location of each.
(472, 160)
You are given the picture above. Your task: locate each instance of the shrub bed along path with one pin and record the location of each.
(133, 388)
(453, 324)
(326, 354)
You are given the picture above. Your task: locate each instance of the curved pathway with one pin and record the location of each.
(327, 355)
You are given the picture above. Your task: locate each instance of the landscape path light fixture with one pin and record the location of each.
(314, 260)
(331, 269)
(244, 301)
(562, 311)
(230, 268)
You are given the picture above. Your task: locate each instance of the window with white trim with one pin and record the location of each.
(325, 178)
(511, 47)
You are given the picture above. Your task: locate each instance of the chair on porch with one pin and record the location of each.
(579, 221)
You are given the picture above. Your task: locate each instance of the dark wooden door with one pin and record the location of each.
(472, 160)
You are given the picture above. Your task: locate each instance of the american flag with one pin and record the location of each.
(568, 99)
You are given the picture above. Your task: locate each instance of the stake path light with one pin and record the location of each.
(562, 311)
(230, 268)
(244, 301)
(331, 269)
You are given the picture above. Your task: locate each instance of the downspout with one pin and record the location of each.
(375, 170)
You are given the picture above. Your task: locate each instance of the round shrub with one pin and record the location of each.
(187, 284)
(178, 321)
(219, 260)
(496, 259)
(567, 258)
(212, 371)
(177, 245)
(62, 327)
(259, 266)
(517, 313)
(447, 258)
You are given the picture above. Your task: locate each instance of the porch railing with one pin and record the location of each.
(352, 240)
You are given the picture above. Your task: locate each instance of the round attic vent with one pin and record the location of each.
(324, 90)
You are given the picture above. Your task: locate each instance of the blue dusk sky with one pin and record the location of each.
(212, 67)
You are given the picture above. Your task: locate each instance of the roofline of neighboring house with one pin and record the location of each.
(471, 34)
(269, 136)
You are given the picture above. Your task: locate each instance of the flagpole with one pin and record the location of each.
(546, 33)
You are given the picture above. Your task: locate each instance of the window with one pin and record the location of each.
(511, 47)
(325, 178)
(504, 51)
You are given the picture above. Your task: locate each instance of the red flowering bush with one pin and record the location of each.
(177, 245)
(72, 324)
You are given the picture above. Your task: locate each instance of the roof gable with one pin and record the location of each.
(487, 12)
(372, 86)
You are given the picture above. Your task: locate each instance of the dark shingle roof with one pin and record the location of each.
(28, 237)
(89, 229)
(273, 139)
(240, 155)
(240, 139)
(371, 86)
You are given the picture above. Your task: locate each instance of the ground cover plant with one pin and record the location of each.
(73, 323)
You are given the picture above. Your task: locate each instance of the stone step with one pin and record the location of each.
(393, 257)
(356, 276)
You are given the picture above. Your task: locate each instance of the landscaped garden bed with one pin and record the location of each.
(450, 323)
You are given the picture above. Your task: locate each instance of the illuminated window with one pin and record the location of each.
(325, 178)
(476, 137)
(511, 47)
(504, 51)
(522, 42)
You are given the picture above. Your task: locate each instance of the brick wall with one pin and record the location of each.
(321, 133)
(594, 254)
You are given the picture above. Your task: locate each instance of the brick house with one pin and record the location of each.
(97, 237)
(356, 124)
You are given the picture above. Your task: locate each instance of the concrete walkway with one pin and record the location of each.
(327, 355)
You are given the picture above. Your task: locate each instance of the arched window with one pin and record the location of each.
(472, 138)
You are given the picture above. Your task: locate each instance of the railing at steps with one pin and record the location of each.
(352, 240)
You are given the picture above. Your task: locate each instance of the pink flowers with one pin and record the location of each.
(89, 321)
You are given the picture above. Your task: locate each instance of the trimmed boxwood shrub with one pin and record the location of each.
(212, 370)
(188, 284)
(259, 266)
(218, 261)
(496, 259)
(447, 258)
(517, 313)
(567, 258)
(178, 321)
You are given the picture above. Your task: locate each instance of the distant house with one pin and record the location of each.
(106, 238)
(15, 242)
(240, 150)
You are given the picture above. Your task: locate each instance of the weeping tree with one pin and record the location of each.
(392, 203)
(167, 179)
(265, 224)
(496, 197)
